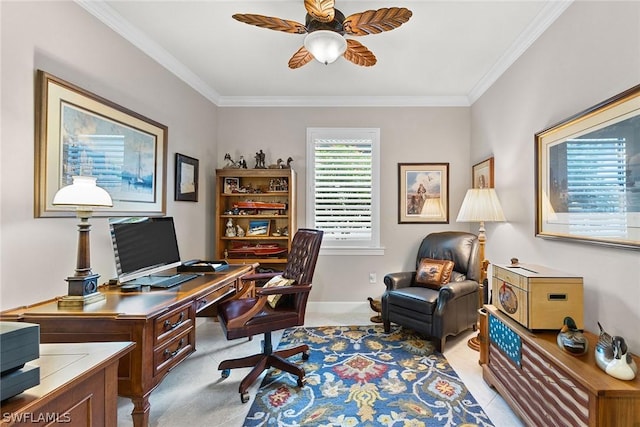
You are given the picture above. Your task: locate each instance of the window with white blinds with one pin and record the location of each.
(343, 186)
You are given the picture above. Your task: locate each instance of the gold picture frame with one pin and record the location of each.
(80, 133)
(423, 193)
(482, 174)
(588, 175)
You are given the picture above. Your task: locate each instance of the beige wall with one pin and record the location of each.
(61, 38)
(589, 54)
(422, 135)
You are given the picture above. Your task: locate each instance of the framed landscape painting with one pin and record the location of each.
(423, 193)
(80, 133)
(588, 175)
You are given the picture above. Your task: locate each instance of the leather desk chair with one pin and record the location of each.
(436, 313)
(246, 317)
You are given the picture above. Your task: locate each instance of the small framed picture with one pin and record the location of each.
(186, 188)
(258, 228)
(423, 193)
(482, 174)
(231, 185)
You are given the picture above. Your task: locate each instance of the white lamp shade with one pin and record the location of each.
(325, 46)
(481, 204)
(83, 192)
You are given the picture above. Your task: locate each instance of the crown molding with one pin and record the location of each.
(549, 13)
(116, 22)
(344, 101)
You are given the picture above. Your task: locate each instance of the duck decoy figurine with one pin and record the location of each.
(612, 356)
(376, 305)
(571, 339)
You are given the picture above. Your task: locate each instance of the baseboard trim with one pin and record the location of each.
(338, 307)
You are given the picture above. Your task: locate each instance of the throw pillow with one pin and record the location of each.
(276, 281)
(433, 273)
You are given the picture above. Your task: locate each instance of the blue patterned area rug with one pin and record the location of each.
(360, 376)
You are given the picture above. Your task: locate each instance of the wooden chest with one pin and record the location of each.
(547, 386)
(537, 297)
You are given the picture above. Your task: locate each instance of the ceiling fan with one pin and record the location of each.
(326, 26)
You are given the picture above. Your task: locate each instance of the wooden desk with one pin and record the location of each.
(77, 387)
(160, 321)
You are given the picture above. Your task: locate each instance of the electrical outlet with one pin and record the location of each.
(373, 278)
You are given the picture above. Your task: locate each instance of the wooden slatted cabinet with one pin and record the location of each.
(547, 386)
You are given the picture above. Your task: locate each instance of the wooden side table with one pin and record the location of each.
(78, 387)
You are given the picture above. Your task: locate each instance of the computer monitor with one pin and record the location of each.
(143, 246)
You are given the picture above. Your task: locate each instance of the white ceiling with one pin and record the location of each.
(448, 53)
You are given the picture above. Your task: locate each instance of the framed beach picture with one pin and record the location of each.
(258, 227)
(423, 193)
(80, 133)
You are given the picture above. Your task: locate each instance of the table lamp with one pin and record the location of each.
(84, 195)
(480, 205)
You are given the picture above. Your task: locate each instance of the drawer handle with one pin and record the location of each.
(168, 354)
(169, 326)
(202, 303)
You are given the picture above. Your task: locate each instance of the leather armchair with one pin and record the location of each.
(431, 312)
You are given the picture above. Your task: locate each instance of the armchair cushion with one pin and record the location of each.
(276, 282)
(434, 273)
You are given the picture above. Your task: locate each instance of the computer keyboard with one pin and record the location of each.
(163, 281)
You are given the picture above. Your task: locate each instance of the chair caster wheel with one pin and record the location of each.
(301, 382)
(225, 373)
(305, 355)
(244, 397)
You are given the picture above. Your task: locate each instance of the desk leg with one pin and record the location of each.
(140, 413)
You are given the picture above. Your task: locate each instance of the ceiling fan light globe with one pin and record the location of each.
(325, 46)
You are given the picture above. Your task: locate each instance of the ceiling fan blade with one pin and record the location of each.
(300, 58)
(358, 54)
(320, 10)
(376, 21)
(277, 24)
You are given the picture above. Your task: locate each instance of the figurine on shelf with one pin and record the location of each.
(239, 231)
(242, 163)
(260, 158)
(288, 165)
(612, 356)
(571, 339)
(231, 231)
(277, 165)
(230, 163)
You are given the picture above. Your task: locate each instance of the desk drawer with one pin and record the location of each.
(215, 296)
(173, 352)
(172, 323)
